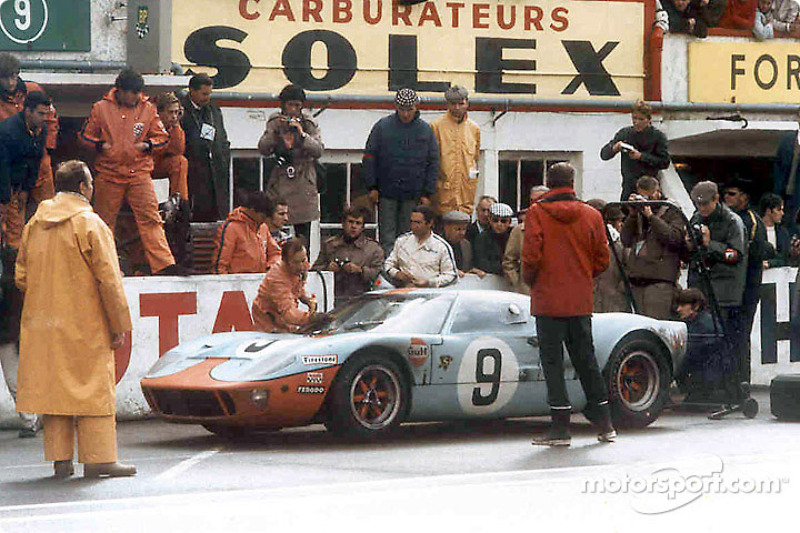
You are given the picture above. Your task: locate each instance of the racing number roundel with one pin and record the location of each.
(487, 376)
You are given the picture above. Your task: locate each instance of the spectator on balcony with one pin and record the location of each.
(771, 209)
(739, 15)
(643, 148)
(693, 16)
(491, 245)
(762, 26)
(481, 222)
(237, 247)
(783, 17)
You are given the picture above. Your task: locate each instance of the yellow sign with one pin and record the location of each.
(568, 49)
(744, 72)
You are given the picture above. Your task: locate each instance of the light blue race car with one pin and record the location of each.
(406, 356)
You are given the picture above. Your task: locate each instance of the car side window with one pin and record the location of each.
(479, 315)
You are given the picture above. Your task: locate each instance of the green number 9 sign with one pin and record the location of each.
(23, 21)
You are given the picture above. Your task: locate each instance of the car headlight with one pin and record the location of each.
(259, 398)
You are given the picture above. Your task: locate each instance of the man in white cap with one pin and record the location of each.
(455, 230)
(401, 165)
(459, 141)
(491, 245)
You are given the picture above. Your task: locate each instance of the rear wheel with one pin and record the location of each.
(368, 398)
(638, 376)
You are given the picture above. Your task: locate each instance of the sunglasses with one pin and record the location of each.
(731, 193)
(504, 220)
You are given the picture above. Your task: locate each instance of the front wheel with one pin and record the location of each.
(368, 398)
(638, 377)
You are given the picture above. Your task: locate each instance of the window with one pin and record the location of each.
(479, 315)
(345, 186)
(518, 172)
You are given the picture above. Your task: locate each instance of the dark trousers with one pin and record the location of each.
(576, 333)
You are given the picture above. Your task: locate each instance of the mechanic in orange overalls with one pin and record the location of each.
(13, 91)
(238, 246)
(125, 130)
(171, 163)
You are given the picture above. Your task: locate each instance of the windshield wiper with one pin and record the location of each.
(363, 324)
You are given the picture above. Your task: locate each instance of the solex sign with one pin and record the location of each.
(550, 48)
(45, 25)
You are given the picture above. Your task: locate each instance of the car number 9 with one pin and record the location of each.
(490, 364)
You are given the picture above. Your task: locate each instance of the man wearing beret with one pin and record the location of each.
(491, 245)
(401, 165)
(459, 141)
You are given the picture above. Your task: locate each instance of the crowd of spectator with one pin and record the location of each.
(766, 19)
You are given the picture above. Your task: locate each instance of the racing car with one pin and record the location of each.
(406, 356)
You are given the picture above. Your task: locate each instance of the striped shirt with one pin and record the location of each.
(431, 259)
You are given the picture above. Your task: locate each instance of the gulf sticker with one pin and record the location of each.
(417, 352)
(329, 359)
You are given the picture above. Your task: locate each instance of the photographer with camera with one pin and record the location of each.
(292, 140)
(355, 259)
(655, 237)
(643, 147)
(719, 233)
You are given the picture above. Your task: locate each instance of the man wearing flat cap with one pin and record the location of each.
(459, 141)
(737, 197)
(401, 165)
(455, 233)
(721, 235)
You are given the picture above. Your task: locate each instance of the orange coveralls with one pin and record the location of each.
(275, 309)
(238, 247)
(123, 172)
(44, 190)
(171, 163)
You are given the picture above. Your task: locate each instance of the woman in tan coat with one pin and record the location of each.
(75, 313)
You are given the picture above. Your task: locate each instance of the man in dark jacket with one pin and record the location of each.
(565, 247)
(772, 213)
(454, 232)
(656, 238)
(207, 150)
(644, 148)
(401, 166)
(491, 245)
(355, 259)
(759, 249)
(784, 176)
(693, 16)
(723, 250)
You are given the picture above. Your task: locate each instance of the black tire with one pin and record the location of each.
(638, 376)
(750, 408)
(368, 399)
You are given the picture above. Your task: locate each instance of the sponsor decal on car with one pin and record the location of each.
(417, 352)
(303, 389)
(329, 359)
(314, 377)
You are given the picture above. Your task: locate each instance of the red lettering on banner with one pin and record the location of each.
(454, 7)
(312, 9)
(501, 19)
(233, 314)
(556, 16)
(342, 11)
(245, 13)
(122, 357)
(533, 17)
(369, 18)
(401, 13)
(167, 306)
(282, 8)
(480, 12)
(429, 13)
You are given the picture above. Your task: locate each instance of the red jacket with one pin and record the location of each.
(564, 247)
(122, 127)
(238, 248)
(739, 15)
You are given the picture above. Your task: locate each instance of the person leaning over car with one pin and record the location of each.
(237, 247)
(565, 247)
(355, 259)
(276, 307)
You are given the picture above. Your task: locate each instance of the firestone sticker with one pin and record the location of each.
(330, 359)
(417, 352)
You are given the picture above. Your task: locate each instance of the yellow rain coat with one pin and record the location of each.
(74, 301)
(459, 150)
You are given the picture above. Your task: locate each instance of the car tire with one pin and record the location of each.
(368, 399)
(638, 376)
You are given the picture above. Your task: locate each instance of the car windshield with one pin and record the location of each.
(392, 313)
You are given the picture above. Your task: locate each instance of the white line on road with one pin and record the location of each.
(183, 466)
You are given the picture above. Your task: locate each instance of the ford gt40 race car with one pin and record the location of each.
(402, 356)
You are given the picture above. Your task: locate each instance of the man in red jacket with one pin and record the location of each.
(564, 248)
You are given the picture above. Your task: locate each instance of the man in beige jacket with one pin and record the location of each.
(512, 259)
(75, 314)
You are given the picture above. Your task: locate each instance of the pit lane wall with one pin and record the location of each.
(166, 311)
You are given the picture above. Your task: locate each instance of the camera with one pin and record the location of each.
(698, 232)
(341, 262)
(625, 147)
(638, 198)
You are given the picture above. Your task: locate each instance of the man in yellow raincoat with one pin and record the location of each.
(74, 314)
